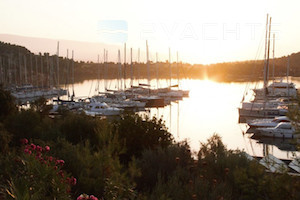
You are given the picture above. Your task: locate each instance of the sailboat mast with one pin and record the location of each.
(265, 56)
(104, 68)
(268, 54)
(25, 69)
(273, 73)
(170, 68)
(68, 69)
(287, 76)
(36, 71)
(31, 70)
(120, 70)
(139, 66)
(156, 70)
(57, 63)
(42, 73)
(148, 67)
(98, 63)
(20, 69)
(48, 71)
(73, 93)
(288, 70)
(177, 66)
(124, 66)
(131, 69)
(51, 72)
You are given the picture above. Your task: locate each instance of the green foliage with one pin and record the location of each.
(7, 104)
(5, 138)
(78, 128)
(160, 164)
(139, 134)
(32, 175)
(217, 174)
(98, 169)
(130, 158)
(40, 105)
(23, 124)
(89, 167)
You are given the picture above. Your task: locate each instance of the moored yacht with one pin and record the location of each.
(282, 130)
(101, 109)
(262, 112)
(263, 123)
(278, 89)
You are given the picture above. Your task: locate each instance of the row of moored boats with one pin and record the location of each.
(113, 103)
(266, 114)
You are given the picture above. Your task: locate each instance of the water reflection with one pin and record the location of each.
(211, 108)
(282, 144)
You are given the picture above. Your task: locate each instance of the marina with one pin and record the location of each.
(208, 110)
(135, 100)
(192, 109)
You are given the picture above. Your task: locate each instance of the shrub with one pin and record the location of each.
(35, 174)
(138, 134)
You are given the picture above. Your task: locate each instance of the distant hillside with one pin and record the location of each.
(247, 70)
(85, 51)
(19, 66)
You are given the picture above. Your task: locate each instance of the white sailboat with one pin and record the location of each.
(263, 108)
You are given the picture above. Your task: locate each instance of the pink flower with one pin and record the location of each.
(32, 146)
(61, 173)
(92, 197)
(26, 151)
(38, 155)
(24, 141)
(47, 148)
(50, 158)
(39, 148)
(60, 162)
(73, 181)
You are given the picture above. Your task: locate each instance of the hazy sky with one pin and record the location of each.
(202, 31)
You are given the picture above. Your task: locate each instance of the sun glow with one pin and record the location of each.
(202, 31)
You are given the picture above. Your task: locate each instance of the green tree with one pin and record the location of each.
(7, 102)
(138, 134)
(23, 124)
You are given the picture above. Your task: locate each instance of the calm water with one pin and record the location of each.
(210, 108)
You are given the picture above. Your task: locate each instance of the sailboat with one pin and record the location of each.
(169, 92)
(262, 107)
(143, 92)
(118, 99)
